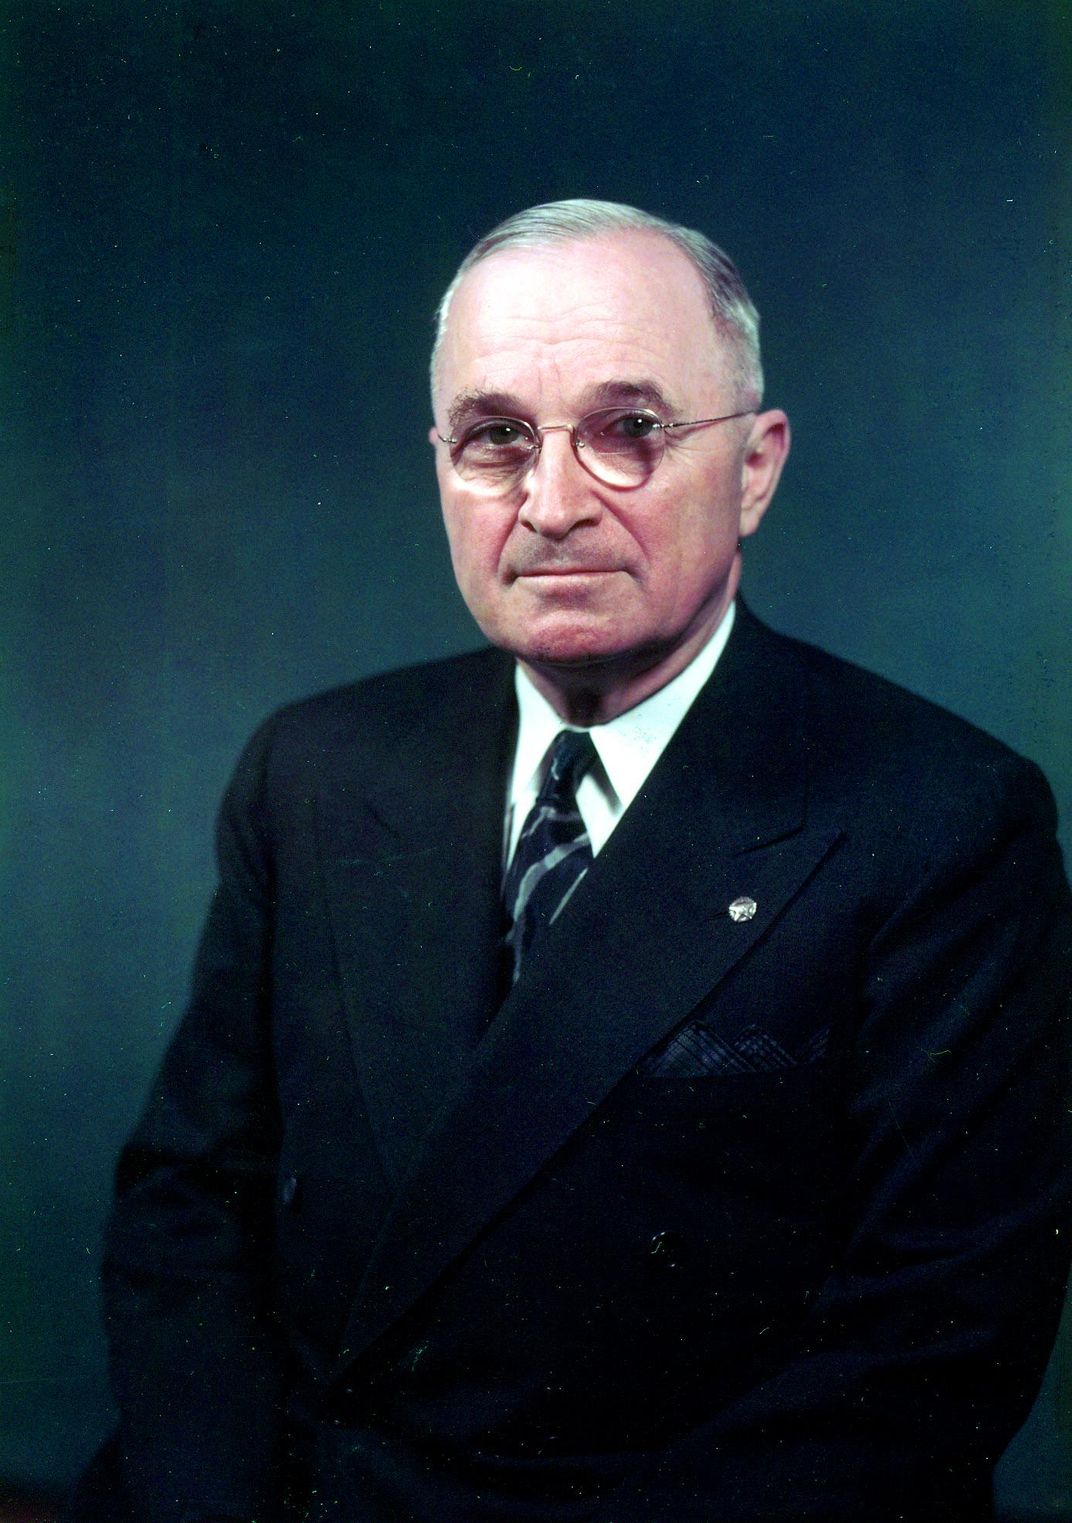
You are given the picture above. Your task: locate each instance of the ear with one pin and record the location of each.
(433, 436)
(761, 468)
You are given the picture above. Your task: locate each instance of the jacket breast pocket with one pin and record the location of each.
(762, 1138)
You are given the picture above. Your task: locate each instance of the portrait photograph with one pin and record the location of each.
(536, 981)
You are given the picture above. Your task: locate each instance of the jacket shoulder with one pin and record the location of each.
(390, 701)
(347, 730)
(888, 753)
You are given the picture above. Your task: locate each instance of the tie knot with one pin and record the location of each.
(571, 756)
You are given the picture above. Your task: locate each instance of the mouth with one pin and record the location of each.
(540, 571)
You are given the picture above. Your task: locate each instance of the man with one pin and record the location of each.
(659, 1123)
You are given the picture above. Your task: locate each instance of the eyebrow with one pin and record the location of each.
(642, 392)
(482, 404)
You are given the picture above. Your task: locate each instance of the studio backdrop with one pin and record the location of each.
(223, 231)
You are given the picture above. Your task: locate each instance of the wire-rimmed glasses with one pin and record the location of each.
(620, 446)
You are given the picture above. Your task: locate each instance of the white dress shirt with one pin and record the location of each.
(628, 747)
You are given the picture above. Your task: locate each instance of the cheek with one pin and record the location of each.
(678, 538)
(687, 550)
(475, 541)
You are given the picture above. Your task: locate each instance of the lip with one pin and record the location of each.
(568, 571)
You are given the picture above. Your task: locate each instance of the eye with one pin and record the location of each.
(615, 428)
(495, 434)
(633, 425)
(494, 450)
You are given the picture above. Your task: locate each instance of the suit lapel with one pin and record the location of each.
(647, 936)
(413, 883)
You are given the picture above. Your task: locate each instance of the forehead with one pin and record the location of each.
(546, 324)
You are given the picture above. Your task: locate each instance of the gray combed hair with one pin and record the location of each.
(734, 315)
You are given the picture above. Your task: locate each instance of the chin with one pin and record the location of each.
(565, 643)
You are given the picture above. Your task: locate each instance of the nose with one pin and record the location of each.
(559, 494)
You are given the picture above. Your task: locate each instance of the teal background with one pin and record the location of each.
(223, 231)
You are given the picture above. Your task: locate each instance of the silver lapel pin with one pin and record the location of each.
(743, 908)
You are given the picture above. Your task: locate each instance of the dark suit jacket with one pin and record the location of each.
(717, 1219)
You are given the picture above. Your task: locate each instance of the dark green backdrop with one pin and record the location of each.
(224, 227)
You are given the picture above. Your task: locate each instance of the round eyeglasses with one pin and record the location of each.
(620, 446)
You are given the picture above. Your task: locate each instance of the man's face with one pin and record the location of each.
(609, 587)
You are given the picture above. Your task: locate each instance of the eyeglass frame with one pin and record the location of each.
(536, 431)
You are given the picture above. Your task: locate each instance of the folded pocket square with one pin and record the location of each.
(696, 1050)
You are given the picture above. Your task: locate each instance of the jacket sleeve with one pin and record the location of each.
(928, 1341)
(186, 1275)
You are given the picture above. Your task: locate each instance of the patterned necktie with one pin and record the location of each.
(553, 851)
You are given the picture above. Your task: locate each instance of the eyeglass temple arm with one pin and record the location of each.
(702, 422)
